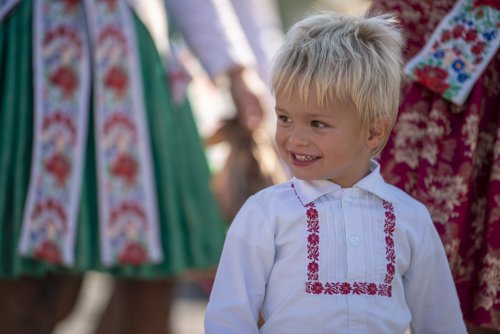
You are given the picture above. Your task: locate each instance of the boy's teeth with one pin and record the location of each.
(303, 157)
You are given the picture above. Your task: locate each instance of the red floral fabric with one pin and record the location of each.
(448, 157)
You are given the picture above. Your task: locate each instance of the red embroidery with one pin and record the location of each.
(62, 120)
(434, 77)
(134, 254)
(70, 5)
(313, 286)
(59, 166)
(60, 32)
(66, 79)
(49, 251)
(54, 207)
(111, 4)
(126, 167)
(116, 79)
(489, 3)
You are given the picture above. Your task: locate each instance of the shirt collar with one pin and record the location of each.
(309, 191)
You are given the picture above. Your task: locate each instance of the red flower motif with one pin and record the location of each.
(65, 78)
(313, 239)
(371, 289)
(433, 78)
(488, 3)
(446, 35)
(345, 288)
(471, 35)
(116, 79)
(111, 4)
(478, 47)
(316, 288)
(133, 254)
(70, 5)
(49, 252)
(313, 267)
(312, 213)
(59, 166)
(125, 167)
(458, 31)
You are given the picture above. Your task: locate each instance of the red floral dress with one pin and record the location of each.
(448, 157)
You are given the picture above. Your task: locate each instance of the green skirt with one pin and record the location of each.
(191, 227)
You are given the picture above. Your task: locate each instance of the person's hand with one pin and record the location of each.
(248, 91)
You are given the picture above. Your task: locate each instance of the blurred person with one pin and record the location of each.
(99, 168)
(445, 149)
(335, 249)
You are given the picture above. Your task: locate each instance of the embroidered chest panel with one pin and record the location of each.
(314, 285)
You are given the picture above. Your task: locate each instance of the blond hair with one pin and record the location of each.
(357, 59)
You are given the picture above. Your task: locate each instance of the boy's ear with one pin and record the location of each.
(377, 133)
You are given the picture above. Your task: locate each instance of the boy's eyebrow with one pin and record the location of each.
(279, 109)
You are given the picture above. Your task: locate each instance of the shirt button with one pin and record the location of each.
(355, 241)
(348, 199)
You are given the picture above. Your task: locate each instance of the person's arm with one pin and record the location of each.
(242, 275)
(212, 30)
(430, 289)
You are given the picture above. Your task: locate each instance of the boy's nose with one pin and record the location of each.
(298, 138)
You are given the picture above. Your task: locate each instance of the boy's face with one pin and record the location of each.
(325, 142)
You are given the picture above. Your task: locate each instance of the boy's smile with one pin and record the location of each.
(322, 142)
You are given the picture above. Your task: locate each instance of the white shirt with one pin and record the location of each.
(371, 262)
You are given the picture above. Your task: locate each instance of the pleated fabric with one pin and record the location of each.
(190, 225)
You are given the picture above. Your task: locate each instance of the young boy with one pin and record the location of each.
(335, 249)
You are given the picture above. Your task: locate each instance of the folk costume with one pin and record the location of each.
(314, 257)
(99, 168)
(445, 146)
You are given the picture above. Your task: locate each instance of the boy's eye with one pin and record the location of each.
(318, 124)
(283, 119)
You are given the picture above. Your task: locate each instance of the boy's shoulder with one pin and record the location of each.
(406, 204)
(274, 191)
(402, 197)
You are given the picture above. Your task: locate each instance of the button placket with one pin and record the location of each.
(353, 235)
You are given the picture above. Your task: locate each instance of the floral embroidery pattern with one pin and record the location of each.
(128, 204)
(49, 228)
(314, 286)
(459, 50)
(61, 117)
(465, 207)
(65, 78)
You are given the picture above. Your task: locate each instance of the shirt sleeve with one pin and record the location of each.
(244, 268)
(212, 30)
(430, 289)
